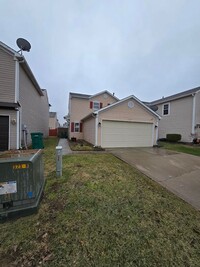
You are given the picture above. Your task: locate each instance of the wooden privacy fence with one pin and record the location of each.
(61, 132)
(53, 132)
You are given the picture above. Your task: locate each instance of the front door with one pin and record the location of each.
(4, 132)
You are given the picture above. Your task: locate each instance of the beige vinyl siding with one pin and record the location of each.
(80, 108)
(12, 127)
(179, 120)
(105, 101)
(35, 108)
(89, 130)
(7, 77)
(122, 112)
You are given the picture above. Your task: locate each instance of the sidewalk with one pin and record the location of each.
(65, 146)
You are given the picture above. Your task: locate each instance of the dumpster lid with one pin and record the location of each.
(18, 155)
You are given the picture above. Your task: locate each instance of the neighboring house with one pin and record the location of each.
(180, 114)
(53, 124)
(24, 106)
(105, 121)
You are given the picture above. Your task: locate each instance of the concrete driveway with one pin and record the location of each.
(178, 172)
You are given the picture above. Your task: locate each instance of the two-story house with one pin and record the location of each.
(180, 114)
(104, 120)
(24, 106)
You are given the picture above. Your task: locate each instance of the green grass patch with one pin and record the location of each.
(189, 149)
(102, 212)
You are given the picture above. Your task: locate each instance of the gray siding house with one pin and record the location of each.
(180, 113)
(24, 106)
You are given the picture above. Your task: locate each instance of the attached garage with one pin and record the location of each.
(126, 134)
(126, 123)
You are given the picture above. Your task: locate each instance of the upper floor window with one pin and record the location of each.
(96, 105)
(166, 108)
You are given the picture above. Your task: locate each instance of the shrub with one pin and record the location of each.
(196, 141)
(173, 137)
(162, 139)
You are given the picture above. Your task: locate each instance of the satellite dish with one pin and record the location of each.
(23, 44)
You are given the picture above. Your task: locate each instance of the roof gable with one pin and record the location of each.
(104, 92)
(85, 96)
(125, 99)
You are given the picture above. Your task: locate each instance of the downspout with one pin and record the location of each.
(96, 129)
(16, 101)
(156, 125)
(193, 114)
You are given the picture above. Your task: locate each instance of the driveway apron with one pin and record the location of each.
(178, 172)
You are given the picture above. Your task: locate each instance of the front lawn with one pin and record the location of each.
(189, 149)
(102, 212)
(82, 145)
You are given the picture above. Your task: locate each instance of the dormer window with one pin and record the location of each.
(166, 108)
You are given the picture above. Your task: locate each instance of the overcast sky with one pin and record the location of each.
(148, 48)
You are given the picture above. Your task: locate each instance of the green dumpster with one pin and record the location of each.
(21, 182)
(37, 140)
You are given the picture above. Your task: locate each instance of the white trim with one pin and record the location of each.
(156, 132)
(18, 130)
(125, 99)
(16, 80)
(153, 129)
(168, 103)
(20, 126)
(96, 130)
(193, 113)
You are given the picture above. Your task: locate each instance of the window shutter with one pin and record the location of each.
(72, 127)
(91, 104)
(81, 127)
(101, 105)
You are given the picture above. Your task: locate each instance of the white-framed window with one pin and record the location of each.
(96, 105)
(166, 109)
(76, 127)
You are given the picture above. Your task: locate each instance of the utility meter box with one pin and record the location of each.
(21, 181)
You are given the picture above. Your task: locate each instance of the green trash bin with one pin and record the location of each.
(37, 140)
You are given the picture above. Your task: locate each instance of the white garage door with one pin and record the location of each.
(126, 134)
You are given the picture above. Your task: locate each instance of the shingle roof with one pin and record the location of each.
(176, 96)
(84, 96)
(79, 95)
